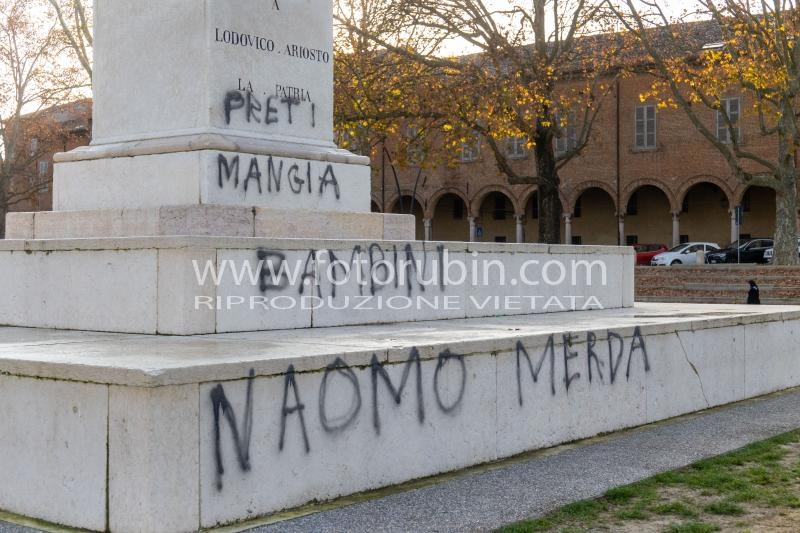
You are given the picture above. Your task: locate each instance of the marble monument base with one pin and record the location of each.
(184, 285)
(209, 220)
(211, 169)
(129, 433)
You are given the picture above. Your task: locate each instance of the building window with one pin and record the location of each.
(683, 239)
(685, 205)
(633, 205)
(731, 107)
(34, 147)
(569, 133)
(500, 238)
(535, 207)
(645, 127)
(499, 207)
(469, 151)
(578, 209)
(42, 168)
(631, 240)
(576, 239)
(515, 147)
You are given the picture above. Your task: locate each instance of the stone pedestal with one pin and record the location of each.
(196, 285)
(225, 105)
(130, 433)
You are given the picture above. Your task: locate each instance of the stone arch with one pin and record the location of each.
(403, 194)
(705, 178)
(597, 221)
(433, 201)
(758, 209)
(578, 189)
(480, 196)
(375, 204)
(705, 213)
(528, 193)
(634, 186)
(741, 189)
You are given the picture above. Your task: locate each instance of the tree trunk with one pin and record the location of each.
(550, 209)
(786, 222)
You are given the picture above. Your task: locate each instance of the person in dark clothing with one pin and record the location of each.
(752, 294)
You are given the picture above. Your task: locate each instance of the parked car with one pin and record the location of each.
(684, 254)
(646, 252)
(742, 251)
(770, 252)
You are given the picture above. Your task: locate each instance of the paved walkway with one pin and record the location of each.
(484, 498)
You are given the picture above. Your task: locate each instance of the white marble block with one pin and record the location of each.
(209, 177)
(173, 67)
(225, 104)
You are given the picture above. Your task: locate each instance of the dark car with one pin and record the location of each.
(742, 251)
(646, 252)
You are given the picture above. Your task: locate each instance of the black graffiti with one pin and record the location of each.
(591, 355)
(309, 275)
(227, 169)
(299, 177)
(245, 105)
(337, 266)
(241, 442)
(266, 281)
(616, 355)
(292, 403)
(444, 358)
(341, 368)
(637, 344)
(568, 356)
(613, 364)
(522, 352)
(377, 268)
(379, 371)
(371, 267)
(298, 407)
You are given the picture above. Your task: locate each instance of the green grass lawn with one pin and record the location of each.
(757, 486)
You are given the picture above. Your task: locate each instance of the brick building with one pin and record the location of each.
(646, 176)
(56, 129)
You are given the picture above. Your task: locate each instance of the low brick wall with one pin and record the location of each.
(717, 284)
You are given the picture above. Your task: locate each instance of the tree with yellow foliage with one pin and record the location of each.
(757, 52)
(535, 69)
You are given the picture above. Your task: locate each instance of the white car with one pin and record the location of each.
(683, 254)
(770, 252)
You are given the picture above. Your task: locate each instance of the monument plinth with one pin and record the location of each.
(217, 241)
(212, 141)
(225, 103)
